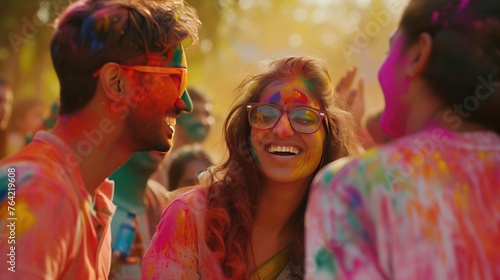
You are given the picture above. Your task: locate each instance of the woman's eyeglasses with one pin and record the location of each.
(303, 119)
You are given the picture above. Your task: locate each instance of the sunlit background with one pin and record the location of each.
(235, 36)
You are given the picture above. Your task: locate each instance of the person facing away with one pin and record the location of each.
(427, 204)
(187, 164)
(136, 192)
(246, 219)
(122, 75)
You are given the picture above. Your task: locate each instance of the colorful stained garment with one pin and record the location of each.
(425, 206)
(178, 249)
(60, 231)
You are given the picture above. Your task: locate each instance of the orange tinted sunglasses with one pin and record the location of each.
(182, 72)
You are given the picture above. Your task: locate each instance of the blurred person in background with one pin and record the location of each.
(27, 118)
(136, 192)
(50, 120)
(6, 98)
(186, 165)
(193, 128)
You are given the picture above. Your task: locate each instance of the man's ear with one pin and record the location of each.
(418, 55)
(111, 77)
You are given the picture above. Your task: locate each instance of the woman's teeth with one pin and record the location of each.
(283, 149)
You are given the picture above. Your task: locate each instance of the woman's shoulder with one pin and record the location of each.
(194, 197)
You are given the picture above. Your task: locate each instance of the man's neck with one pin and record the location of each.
(98, 153)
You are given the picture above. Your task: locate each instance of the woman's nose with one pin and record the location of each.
(283, 128)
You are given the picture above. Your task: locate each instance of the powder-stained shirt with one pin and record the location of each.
(178, 249)
(425, 206)
(61, 231)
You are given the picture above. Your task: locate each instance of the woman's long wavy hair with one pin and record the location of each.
(235, 185)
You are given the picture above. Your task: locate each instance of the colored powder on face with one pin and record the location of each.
(197, 131)
(395, 116)
(177, 56)
(302, 170)
(298, 97)
(308, 84)
(277, 83)
(313, 157)
(254, 154)
(187, 101)
(275, 98)
(289, 95)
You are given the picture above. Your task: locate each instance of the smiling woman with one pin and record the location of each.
(246, 221)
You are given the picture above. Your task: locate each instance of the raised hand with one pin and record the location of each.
(353, 93)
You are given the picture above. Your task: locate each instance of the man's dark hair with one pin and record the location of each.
(90, 33)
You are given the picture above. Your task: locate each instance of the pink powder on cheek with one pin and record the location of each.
(394, 87)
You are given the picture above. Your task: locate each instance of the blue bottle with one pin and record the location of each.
(126, 236)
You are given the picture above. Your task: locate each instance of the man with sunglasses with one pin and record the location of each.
(122, 73)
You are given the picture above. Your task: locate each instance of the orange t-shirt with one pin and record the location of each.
(61, 232)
